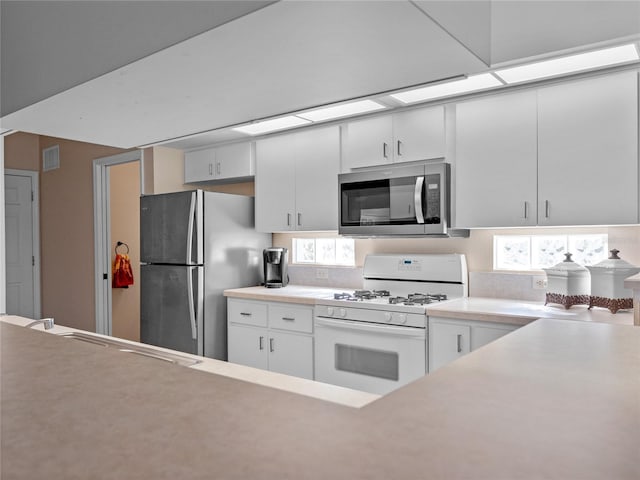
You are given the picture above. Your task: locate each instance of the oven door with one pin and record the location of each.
(366, 356)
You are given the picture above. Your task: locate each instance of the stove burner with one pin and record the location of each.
(418, 298)
(370, 294)
(341, 296)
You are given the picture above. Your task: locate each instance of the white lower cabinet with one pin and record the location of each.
(450, 339)
(271, 336)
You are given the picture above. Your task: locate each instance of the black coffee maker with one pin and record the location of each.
(275, 267)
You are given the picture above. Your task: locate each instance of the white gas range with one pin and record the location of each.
(375, 339)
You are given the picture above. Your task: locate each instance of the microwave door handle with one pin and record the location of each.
(417, 199)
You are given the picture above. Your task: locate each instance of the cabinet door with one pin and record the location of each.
(368, 142)
(447, 342)
(291, 354)
(419, 134)
(198, 166)
(316, 173)
(588, 152)
(481, 336)
(496, 161)
(235, 161)
(275, 184)
(248, 346)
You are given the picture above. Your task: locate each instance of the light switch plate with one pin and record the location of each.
(539, 282)
(322, 273)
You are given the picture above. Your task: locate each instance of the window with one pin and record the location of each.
(534, 252)
(324, 251)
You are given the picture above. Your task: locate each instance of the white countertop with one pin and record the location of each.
(514, 312)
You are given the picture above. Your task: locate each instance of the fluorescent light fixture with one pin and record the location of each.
(272, 125)
(569, 64)
(339, 111)
(469, 84)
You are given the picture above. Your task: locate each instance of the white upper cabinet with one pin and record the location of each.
(496, 161)
(228, 162)
(297, 181)
(588, 152)
(400, 137)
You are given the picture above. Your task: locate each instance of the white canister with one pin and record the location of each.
(607, 283)
(568, 283)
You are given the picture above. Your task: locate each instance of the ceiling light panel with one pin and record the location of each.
(469, 84)
(339, 111)
(267, 126)
(569, 64)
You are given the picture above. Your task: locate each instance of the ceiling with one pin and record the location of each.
(128, 74)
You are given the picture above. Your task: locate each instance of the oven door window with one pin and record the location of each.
(389, 201)
(366, 361)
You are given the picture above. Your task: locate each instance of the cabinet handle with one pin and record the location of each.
(218, 168)
(288, 219)
(245, 314)
(384, 150)
(546, 209)
(299, 219)
(526, 209)
(260, 344)
(398, 148)
(271, 349)
(211, 169)
(289, 319)
(459, 343)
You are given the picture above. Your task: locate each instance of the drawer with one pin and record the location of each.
(292, 318)
(247, 312)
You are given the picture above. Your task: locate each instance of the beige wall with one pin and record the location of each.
(22, 151)
(478, 248)
(125, 227)
(66, 233)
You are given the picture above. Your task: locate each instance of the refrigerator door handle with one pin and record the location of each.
(192, 308)
(192, 215)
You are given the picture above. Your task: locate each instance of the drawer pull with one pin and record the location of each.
(260, 343)
(459, 343)
(245, 314)
(289, 319)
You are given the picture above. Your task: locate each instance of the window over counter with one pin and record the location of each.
(324, 251)
(534, 252)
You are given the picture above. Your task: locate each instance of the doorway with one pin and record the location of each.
(117, 187)
(22, 243)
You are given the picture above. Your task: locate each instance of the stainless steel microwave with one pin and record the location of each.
(409, 200)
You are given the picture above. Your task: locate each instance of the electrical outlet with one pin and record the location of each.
(322, 273)
(539, 283)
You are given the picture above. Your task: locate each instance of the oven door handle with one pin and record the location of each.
(410, 332)
(417, 199)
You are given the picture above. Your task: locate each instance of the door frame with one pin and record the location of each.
(35, 228)
(102, 232)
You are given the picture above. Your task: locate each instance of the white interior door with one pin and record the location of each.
(20, 254)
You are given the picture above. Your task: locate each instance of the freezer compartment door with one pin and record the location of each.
(171, 307)
(171, 228)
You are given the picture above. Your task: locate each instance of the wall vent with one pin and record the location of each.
(51, 158)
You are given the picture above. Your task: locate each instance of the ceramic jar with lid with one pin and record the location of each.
(607, 283)
(568, 283)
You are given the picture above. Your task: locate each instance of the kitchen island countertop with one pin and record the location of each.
(554, 399)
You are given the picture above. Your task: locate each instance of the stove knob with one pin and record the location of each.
(402, 318)
(330, 311)
(387, 317)
(342, 312)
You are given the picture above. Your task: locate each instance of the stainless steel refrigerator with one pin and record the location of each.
(194, 245)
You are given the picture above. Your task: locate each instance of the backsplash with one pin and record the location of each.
(336, 277)
(514, 286)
